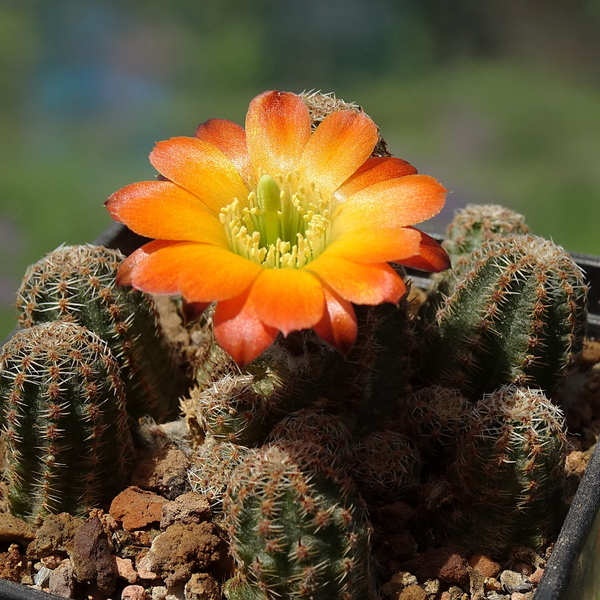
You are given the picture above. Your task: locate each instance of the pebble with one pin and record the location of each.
(62, 581)
(514, 582)
(143, 571)
(134, 592)
(125, 570)
(536, 576)
(136, 508)
(412, 592)
(40, 579)
(484, 565)
(520, 596)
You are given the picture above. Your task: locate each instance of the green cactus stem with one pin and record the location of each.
(509, 471)
(479, 223)
(77, 283)
(296, 529)
(62, 409)
(514, 312)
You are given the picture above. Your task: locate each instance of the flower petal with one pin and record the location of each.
(375, 170)
(338, 325)
(359, 283)
(376, 245)
(338, 147)
(277, 130)
(239, 331)
(430, 257)
(163, 210)
(201, 168)
(230, 139)
(392, 203)
(288, 299)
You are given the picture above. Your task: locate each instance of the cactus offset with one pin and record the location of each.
(513, 313)
(296, 529)
(63, 413)
(77, 283)
(509, 470)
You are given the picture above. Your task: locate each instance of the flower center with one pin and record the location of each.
(283, 224)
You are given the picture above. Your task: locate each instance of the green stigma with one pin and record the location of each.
(268, 196)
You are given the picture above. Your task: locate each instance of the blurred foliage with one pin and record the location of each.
(499, 101)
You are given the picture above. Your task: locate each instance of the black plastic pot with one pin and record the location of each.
(573, 571)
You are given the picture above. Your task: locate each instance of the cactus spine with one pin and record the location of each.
(513, 313)
(62, 408)
(77, 283)
(509, 470)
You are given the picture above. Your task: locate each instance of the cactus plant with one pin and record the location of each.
(509, 470)
(296, 529)
(77, 283)
(62, 408)
(513, 313)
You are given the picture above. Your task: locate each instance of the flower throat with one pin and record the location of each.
(283, 225)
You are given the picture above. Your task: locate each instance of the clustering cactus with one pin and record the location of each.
(509, 469)
(77, 283)
(514, 312)
(62, 408)
(296, 529)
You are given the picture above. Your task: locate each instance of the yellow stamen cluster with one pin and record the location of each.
(281, 224)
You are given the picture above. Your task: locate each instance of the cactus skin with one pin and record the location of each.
(62, 409)
(295, 529)
(513, 313)
(479, 223)
(77, 283)
(509, 470)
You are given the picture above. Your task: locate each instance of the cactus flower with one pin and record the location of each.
(284, 228)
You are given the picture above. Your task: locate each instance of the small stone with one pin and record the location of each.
(444, 564)
(431, 587)
(524, 568)
(412, 592)
(520, 596)
(484, 565)
(124, 569)
(398, 582)
(143, 571)
(40, 579)
(13, 529)
(493, 585)
(54, 536)
(134, 592)
(536, 576)
(514, 582)
(457, 594)
(202, 586)
(13, 564)
(52, 560)
(137, 508)
(187, 508)
(62, 580)
(159, 592)
(164, 473)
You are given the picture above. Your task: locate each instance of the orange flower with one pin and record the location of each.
(282, 227)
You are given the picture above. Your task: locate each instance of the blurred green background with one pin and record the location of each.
(498, 100)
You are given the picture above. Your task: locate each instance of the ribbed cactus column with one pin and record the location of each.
(77, 283)
(514, 312)
(62, 408)
(296, 530)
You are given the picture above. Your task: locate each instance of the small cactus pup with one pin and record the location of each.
(296, 529)
(514, 312)
(509, 471)
(62, 409)
(78, 283)
(479, 223)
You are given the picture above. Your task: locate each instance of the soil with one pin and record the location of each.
(158, 540)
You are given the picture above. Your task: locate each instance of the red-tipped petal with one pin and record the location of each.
(338, 326)
(277, 130)
(239, 331)
(430, 257)
(202, 169)
(230, 138)
(359, 283)
(288, 299)
(137, 259)
(337, 148)
(163, 210)
(374, 170)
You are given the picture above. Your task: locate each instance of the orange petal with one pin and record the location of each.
(338, 325)
(392, 203)
(376, 245)
(430, 257)
(230, 139)
(375, 170)
(277, 130)
(359, 283)
(128, 265)
(163, 210)
(239, 331)
(337, 148)
(200, 168)
(288, 299)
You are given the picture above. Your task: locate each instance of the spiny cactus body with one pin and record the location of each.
(509, 470)
(77, 283)
(296, 530)
(513, 313)
(62, 408)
